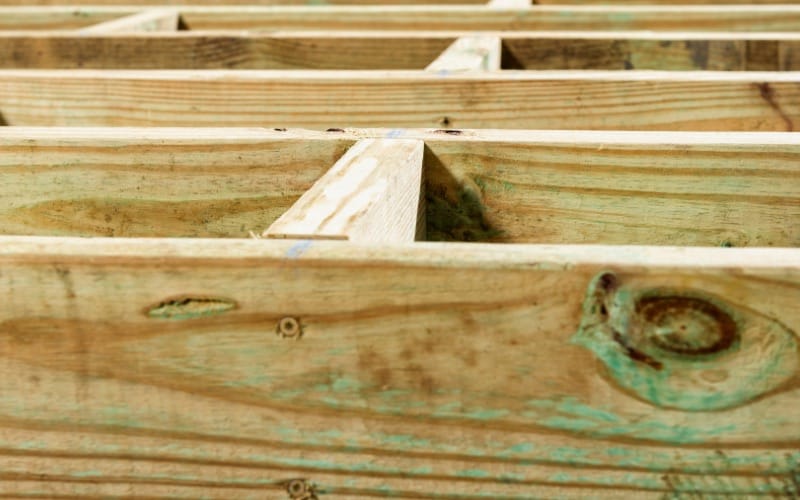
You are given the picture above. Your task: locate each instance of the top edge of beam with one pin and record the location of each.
(429, 254)
(130, 135)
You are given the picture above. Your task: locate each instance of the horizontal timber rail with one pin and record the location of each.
(601, 100)
(706, 189)
(165, 371)
(394, 50)
(426, 17)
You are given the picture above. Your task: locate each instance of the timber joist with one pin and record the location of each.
(461, 252)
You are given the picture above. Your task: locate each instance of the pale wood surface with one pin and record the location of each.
(470, 53)
(149, 20)
(373, 194)
(660, 188)
(631, 100)
(378, 397)
(182, 186)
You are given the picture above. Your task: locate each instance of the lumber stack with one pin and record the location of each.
(458, 251)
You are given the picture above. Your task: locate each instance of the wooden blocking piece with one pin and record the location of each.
(470, 53)
(371, 195)
(509, 4)
(149, 20)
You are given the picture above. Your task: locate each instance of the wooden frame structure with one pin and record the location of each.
(324, 252)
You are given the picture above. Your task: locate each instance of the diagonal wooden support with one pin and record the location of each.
(371, 195)
(149, 20)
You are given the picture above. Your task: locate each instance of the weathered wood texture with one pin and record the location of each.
(154, 366)
(753, 101)
(427, 17)
(99, 47)
(373, 194)
(184, 186)
(215, 50)
(708, 189)
(149, 20)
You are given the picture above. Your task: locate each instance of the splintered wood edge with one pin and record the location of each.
(372, 194)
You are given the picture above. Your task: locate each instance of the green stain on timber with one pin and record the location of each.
(473, 473)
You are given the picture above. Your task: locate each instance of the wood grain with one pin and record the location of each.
(373, 194)
(476, 18)
(753, 101)
(378, 398)
(148, 20)
(397, 50)
(218, 50)
(658, 188)
(186, 188)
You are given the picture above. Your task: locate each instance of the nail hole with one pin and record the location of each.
(444, 122)
(289, 327)
(334, 130)
(279, 129)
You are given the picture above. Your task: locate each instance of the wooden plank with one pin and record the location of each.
(402, 50)
(219, 50)
(545, 187)
(149, 20)
(114, 187)
(371, 195)
(753, 18)
(378, 396)
(470, 53)
(509, 4)
(753, 101)
(749, 18)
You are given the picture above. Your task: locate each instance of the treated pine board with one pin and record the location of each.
(631, 100)
(470, 53)
(706, 189)
(144, 189)
(430, 17)
(149, 20)
(219, 50)
(373, 194)
(378, 396)
(401, 50)
(475, 18)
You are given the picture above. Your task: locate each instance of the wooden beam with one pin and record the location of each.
(149, 20)
(402, 50)
(571, 187)
(631, 100)
(193, 389)
(470, 53)
(750, 18)
(220, 50)
(371, 195)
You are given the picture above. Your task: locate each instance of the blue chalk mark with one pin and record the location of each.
(395, 133)
(298, 249)
(443, 72)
